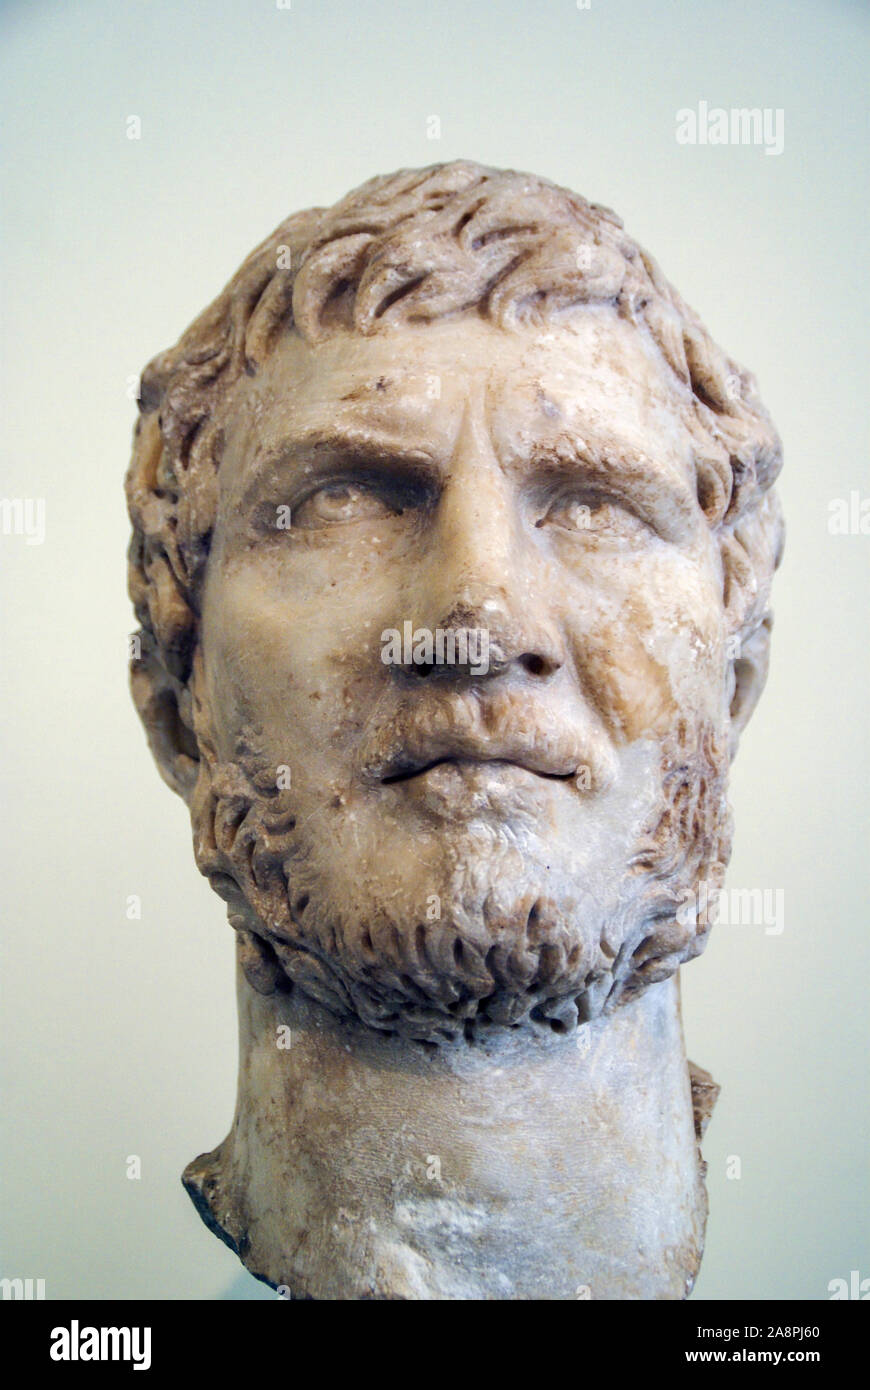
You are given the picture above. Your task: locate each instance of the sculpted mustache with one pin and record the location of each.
(493, 727)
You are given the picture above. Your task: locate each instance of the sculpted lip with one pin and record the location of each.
(467, 730)
(408, 774)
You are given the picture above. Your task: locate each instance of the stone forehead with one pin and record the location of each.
(593, 369)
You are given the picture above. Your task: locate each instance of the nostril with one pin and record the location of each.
(537, 665)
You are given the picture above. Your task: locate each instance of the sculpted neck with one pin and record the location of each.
(366, 1166)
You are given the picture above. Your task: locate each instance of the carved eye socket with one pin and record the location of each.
(599, 518)
(338, 503)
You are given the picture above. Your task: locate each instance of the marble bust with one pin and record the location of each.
(453, 537)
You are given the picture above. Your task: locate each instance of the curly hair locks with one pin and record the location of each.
(414, 246)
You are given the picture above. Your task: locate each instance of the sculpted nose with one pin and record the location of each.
(515, 637)
(482, 574)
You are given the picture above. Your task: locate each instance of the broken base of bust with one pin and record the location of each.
(530, 1165)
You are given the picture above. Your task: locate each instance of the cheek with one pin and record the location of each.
(294, 668)
(648, 642)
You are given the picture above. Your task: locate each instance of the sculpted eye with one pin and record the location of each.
(338, 503)
(597, 517)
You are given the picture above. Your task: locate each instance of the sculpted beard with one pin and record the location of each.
(493, 929)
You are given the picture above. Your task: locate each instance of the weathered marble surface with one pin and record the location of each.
(462, 403)
(360, 1166)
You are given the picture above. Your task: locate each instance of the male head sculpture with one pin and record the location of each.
(461, 402)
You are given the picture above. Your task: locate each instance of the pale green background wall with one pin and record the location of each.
(119, 1036)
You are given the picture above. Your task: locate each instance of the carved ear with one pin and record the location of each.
(164, 708)
(750, 554)
(750, 673)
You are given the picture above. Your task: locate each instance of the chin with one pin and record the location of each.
(441, 930)
(450, 934)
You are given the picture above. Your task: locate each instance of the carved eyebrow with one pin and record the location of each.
(341, 445)
(617, 463)
(566, 451)
(658, 490)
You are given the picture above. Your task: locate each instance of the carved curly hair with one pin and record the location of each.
(415, 246)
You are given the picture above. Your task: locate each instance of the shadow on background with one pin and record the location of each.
(245, 1288)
